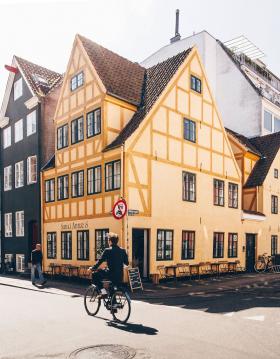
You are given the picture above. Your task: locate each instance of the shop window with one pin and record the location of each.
(66, 245)
(188, 244)
(274, 245)
(101, 242)
(232, 245)
(83, 245)
(164, 244)
(189, 130)
(219, 195)
(51, 245)
(218, 245)
(20, 262)
(189, 187)
(94, 123)
(113, 175)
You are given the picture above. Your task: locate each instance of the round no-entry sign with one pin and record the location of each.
(119, 209)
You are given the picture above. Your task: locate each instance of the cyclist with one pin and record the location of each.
(116, 258)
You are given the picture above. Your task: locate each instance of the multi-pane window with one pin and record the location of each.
(218, 245)
(7, 136)
(20, 262)
(78, 184)
(8, 224)
(101, 242)
(17, 89)
(188, 244)
(63, 187)
(66, 245)
(274, 245)
(189, 130)
(94, 122)
(94, 180)
(268, 121)
(31, 124)
(62, 137)
(83, 245)
(232, 245)
(219, 197)
(113, 175)
(31, 169)
(275, 173)
(195, 84)
(20, 223)
(19, 174)
(274, 204)
(189, 186)
(18, 131)
(164, 244)
(51, 245)
(77, 81)
(49, 190)
(7, 178)
(232, 195)
(77, 130)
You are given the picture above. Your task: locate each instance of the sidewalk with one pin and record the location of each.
(164, 290)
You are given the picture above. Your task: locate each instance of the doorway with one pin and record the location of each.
(140, 251)
(250, 251)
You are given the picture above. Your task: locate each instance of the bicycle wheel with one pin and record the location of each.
(259, 266)
(120, 306)
(91, 300)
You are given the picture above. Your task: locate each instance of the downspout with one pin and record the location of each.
(123, 195)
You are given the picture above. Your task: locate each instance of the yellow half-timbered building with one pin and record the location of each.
(153, 137)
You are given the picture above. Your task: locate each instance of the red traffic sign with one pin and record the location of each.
(119, 209)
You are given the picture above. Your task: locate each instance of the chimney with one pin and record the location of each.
(177, 36)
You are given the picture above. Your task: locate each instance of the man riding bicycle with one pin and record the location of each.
(115, 257)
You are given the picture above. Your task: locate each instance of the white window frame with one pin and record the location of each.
(20, 262)
(19, 174)
(18, 131)
(7, 137)
(20, 224)
(17, 89)
(7, 178)
(31, 170)
(8, 219)
(31, 123)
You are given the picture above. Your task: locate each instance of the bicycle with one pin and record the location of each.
(117, 301)
(264, 263)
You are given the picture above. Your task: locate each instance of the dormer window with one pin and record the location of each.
(77, 81)
(17, 89)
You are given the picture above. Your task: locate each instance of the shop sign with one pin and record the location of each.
(119, 209)
(132, 212)
(74, 225)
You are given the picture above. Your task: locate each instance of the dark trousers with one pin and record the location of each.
(104, 274)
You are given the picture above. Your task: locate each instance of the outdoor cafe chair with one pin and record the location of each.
(163, 273)
(183, 269)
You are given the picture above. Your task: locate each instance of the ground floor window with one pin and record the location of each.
(164, 244)
(101, 242)
(83, 245)
(188, 239)
(20, 262)
(66, 245)
(274, 245)
(51, 245)
(218, 245)
(9, 262)
(232, 245)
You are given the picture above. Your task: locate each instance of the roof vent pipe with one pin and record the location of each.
(177, 36)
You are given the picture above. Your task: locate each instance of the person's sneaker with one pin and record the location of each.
(44, 282)
(33, 283)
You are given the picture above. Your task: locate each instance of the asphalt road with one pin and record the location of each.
(229, 324)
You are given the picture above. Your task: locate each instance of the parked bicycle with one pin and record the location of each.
(264, 263)
(117, 301)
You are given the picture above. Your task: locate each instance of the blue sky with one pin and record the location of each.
(43, 31)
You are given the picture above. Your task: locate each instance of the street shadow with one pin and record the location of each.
(134, 328)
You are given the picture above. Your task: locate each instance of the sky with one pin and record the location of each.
(43, 31)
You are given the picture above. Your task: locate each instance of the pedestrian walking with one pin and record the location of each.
(36, 260)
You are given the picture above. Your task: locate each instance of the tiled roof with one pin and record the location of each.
(122, 78)
(244, 141)
(268, 146)
(40, 79)
(155, 80)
